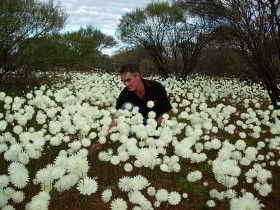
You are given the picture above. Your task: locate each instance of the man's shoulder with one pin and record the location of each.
(124, 92)
(154, 83)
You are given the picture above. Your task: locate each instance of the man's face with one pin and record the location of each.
(131, 81)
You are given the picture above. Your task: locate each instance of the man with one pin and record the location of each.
(139, 92)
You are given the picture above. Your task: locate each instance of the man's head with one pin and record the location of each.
(131, 76)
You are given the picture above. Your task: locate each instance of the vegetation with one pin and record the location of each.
(21, 20)
(30, 41)
(79, 50)
(221, 144)
(175, 38)
(252, 28)
(169, 37)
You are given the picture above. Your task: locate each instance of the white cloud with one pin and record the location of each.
(101, 14)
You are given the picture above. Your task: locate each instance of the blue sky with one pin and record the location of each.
(101, 14)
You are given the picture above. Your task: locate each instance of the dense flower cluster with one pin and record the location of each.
(70, 117)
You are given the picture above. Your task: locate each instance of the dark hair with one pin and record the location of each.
(129, 67)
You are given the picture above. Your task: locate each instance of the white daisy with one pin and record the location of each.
(118, 204)
(4, 181)
(151, 191)
(162, 195)
(106, 195)
(174, 198)
(247, 201)
(19, 176)
(211, 203)
(128, 167)
(18, 196)
(150, 104)
(87, 186)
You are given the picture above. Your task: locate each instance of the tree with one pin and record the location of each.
(87, 44)
(252, 27)
(76, 50)
(170, 40)
(20, 21)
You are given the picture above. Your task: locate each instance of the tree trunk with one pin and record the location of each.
(271, 85)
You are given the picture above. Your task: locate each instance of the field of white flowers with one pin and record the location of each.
(220, 150)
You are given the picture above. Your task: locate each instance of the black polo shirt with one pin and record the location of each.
(154, 91)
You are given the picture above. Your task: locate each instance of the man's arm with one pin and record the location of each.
(160, 118)
(97, 146)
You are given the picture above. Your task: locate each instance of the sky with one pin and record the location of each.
(101, 14)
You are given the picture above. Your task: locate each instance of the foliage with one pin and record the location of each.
(220, 60)
(252, 28)
(172, 40)
(79, 50)
(21, 20)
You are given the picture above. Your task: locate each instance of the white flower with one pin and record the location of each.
(123, 155)
(115, 160)
(136, 197)
(240, 144)
(263, 175)
(43, 175)
(3, 125)
(211, 203)
(4, 181)
(251, 173)
(61, 159)
(23, 157)
(17, 129)
(230, 193)
(174, 198)
(22, 119)
(55, 141)
(264, 189)
(8, 100)
(106, 195)
(66, 182)
(75, 145)
(147, 156)
(164, 167)
(162, 195)
(251, 153)
(77, 164)
(216, 144)
(244, 161)
(128, 167)
(3, 148)
(18, 196)
(139, 182)
(18, 175)
(185, 195)
(151, 191)
(2, 96)
(87, 186)
(56, 172)
(118, 204)
(194, 176)
(54, 127)
(198, 147)
(247, 201)
(124, 184)
(150, 104)
(9, 191)
(40, 201)
(152, 115)
(16, 148)
(3, 200)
